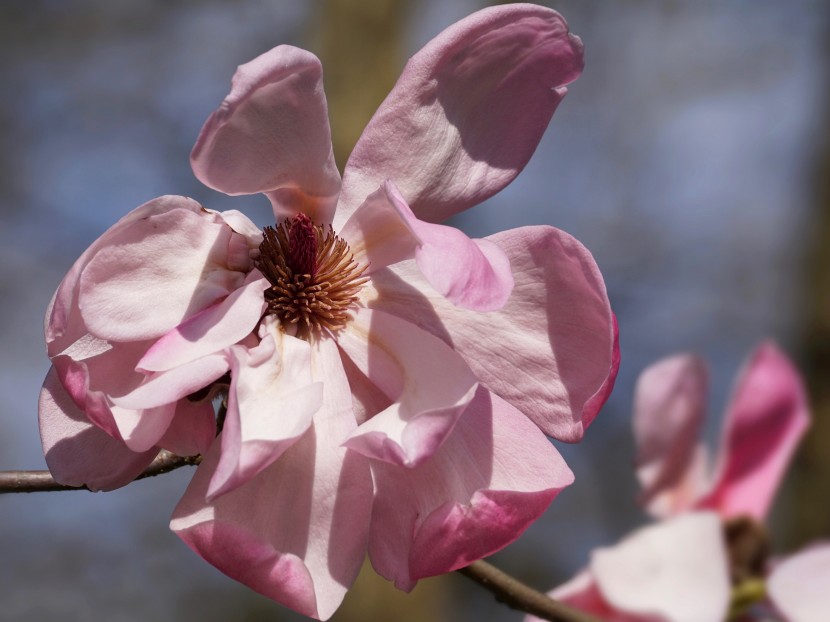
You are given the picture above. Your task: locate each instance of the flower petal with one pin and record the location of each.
(669, 407)
(552, 351)
(764, 423)
(494, 475)
(798, 585)
(157, 271)
(64, 324)
(296, 532)
(467, 112)
(675, 570)
(430, 386)
(270, 405)
(474, 274)
(211, 330)
(77, 452)
(192, 429)
(582, 593)
(170, 386)
(90, 373)
(271, 134)
(378, 233)
(142, 429)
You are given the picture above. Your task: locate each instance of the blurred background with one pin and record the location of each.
(691, 157)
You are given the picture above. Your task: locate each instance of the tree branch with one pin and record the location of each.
(517, 595)
(42, 481)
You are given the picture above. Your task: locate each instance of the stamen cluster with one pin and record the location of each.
(314, 277)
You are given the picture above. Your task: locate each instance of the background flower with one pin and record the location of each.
(710, 551)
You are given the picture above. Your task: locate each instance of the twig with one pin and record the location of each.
(517, 595)
(42, 481)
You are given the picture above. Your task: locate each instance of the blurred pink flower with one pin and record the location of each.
(710, 540)
(390, 381)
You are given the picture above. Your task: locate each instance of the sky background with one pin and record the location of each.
(685, 158)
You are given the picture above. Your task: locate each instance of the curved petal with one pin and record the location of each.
(77, 452)
(63, 324)
(669, 407)
(378, 233)
(467, 112)
(676, 570)
(428, 383)
(474, 274)
(143, 429)
(243, 225)
(192, 429)
(296, 532)
(92, 370)
(582, 593)
(764, 423)
(271, 134)
(494, 475)
(798, 585)
(170, 386)
(552, 351)
(271, 403)
(211, 330)
(157, 271)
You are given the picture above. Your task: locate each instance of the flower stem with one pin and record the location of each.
(517, 595)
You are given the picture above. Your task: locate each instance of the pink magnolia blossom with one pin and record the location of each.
(709, 540)
(389, 381)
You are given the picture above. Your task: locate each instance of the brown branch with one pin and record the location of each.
(42, 481)
(517, 595)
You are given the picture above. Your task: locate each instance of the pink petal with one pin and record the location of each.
(63, 324)
(474, 274)
(211, 330)
(91, 373)
(552, 351)
(467, 112)
(77, 452)
(243, 225)
(170, 386)
(764, 423)
(270, 405)
(296, 532)
(143, 429)
(367, 399)
(192, 429)
(494, 475)
(91, 369)
(271, 134)
(582, 593)
(676, 570)
(798, 585)
(378, 233)
(428, 383)
(157, 271)
(669, 408)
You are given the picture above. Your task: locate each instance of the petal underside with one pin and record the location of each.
(467, 112)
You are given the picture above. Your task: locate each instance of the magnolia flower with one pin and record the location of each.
(708, 556)
(389, 381)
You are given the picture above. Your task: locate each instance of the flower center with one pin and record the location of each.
(314, 277)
